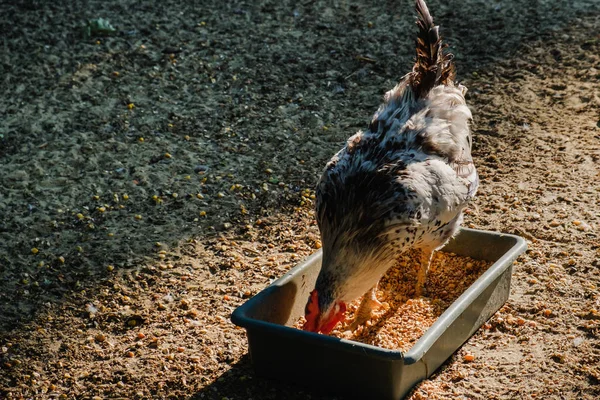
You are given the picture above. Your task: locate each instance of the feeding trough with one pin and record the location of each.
(360, 370)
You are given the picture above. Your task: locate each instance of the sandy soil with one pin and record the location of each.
(154, 179)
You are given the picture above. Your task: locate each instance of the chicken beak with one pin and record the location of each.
(315, 322)
(335, 316)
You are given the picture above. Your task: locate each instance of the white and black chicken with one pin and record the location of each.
(401, 185)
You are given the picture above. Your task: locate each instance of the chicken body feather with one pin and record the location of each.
(400, 185)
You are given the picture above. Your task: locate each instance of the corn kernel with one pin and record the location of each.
(168, 155)
(203, 213)
(110, 268)
(35, 250)
(125, 197)
(138, 216)
(131, 106)
(80, 216)
(61, 259)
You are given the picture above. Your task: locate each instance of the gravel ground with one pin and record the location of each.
(154, 179)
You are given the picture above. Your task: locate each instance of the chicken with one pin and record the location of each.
(400, 186)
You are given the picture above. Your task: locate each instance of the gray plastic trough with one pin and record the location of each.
(359, 370)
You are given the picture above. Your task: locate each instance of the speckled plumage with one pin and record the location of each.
(403, 183)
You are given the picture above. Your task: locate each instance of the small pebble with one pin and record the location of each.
(200, 169)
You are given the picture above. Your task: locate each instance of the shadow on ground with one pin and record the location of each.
(241, 382)
(191, 121)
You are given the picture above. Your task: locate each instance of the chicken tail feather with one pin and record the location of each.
(432, 66)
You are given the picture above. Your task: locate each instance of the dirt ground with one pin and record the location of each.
(152, 180)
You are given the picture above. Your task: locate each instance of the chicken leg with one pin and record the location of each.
(368, 304)
(425, 261)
